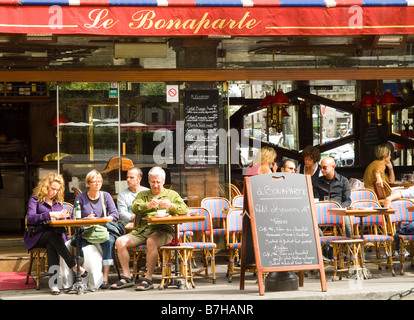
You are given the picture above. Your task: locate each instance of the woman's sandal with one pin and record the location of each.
(146, 284)
(120, 284)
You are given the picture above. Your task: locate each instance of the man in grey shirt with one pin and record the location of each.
(127, 196)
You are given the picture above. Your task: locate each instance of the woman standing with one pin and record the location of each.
(92, 204)
(47, 203)
(375, 172)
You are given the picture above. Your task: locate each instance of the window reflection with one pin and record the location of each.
(329, 123)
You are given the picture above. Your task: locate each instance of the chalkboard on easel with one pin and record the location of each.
(280, 230)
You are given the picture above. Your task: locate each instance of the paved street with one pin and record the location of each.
(381, 287)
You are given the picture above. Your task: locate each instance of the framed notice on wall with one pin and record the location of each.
(201, 126)
(280, 229)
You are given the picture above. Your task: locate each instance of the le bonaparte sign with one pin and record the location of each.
(204, 21)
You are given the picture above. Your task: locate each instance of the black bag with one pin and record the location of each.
(116, 229)
(33, 230)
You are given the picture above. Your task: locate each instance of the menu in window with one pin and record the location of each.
(201, 141)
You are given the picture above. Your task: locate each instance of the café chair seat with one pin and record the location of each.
(206, 246)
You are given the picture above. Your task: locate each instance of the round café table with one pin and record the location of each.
(78, 286)
(361, 213)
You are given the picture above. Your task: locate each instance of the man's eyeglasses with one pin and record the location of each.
(291, 168)
(324, 167)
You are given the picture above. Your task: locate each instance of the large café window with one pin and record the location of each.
(105, 120)
(329, 123)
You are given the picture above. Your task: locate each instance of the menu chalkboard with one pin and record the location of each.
(281, 224)
(200, 128)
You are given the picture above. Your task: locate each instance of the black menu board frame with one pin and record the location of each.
(201, 114)
(280, 226)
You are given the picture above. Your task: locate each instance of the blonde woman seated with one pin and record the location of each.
(375, 172)
(263, 162)
(47, 203)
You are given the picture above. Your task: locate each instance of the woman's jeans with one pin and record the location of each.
(108, 249)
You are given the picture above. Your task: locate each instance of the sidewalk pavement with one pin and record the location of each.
(382, 287)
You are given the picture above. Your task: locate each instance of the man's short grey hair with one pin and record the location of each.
(156, 171)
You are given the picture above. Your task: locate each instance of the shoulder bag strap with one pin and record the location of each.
(103, 204)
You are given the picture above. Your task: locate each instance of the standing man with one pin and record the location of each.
(153, 236)
(125, 198)
(334, 186)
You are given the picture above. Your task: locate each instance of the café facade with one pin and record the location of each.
(183, 84)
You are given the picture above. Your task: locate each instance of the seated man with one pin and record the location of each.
(125, 198)
(153, 235)
(336, 188)
(288, 166)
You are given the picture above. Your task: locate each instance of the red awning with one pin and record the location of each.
(213, 3)
(277, 18)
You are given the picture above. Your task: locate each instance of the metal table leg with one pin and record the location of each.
(78, 286)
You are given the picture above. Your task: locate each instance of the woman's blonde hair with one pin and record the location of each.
(92, 175)
(382, 151)
(42, 188)
(265, 155)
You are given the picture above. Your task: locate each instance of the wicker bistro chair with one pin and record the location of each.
(363, 194)
(206, 246)
(237, 201)
(138, 256)
(39, 256)
(215, 206)
(382, 192)
(400, 217)
(379, 236)
(331, 226)
(229, 191)
(69, 208)
(234, 229)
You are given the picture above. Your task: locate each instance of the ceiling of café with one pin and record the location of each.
(33, 52)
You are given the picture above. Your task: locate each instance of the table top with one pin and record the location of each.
(361, 212)
(174, 219)
(401, 184)
(78, 222)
